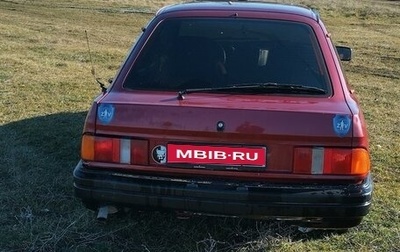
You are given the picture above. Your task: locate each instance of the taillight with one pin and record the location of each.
(87, 148)
(333, 161)
(106, 149)
(114, 150)
(139, 152)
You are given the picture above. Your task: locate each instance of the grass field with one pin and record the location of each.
(46, 88)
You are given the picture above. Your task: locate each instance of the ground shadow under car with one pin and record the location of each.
(38, 156)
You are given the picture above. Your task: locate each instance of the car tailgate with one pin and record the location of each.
(277, 124)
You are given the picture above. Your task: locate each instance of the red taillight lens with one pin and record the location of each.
(139, 152)
(106, 150)
(114, 150)
(302, 160)
(335, 161)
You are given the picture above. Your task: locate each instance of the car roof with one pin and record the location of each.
(248, 6)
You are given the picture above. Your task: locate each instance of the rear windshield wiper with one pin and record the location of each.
(269, 87)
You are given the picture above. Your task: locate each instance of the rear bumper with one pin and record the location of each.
(232, 198)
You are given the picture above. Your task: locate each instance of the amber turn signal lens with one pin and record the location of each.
(87, 148)
(360, 162)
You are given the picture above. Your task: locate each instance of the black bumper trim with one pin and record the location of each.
(237, 198)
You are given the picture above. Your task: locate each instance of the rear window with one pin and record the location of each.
(188, 53)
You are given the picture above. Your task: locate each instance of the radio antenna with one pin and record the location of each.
(102, 86)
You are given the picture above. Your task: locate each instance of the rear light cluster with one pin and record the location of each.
(316, 160)
(114, 150)
(331, 161)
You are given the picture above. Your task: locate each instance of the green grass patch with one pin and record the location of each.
(46, 88)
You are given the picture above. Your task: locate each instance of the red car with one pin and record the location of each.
(235, 109)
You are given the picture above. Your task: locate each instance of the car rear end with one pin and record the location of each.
(158, 140)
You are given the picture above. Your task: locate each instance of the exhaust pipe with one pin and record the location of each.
(104, 211)
(183, 215)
